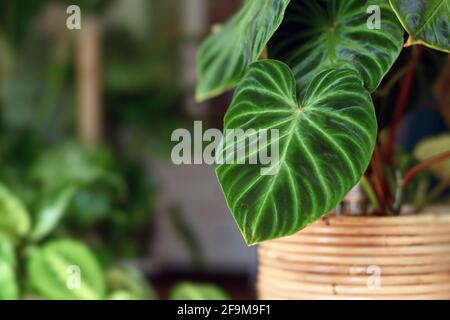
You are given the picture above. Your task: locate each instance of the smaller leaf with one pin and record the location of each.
(66, 270)
(14, 217)
(195, 291)
(52, 212)
(427, 22)
(224, 56)
(320, 34)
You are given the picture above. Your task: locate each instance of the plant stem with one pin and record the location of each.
(379, 182)
(400, 106)
(399, 192)
(409, 176)
(386, 90)
(370, 193)
(420, 196)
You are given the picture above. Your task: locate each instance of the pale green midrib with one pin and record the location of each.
(281, 161)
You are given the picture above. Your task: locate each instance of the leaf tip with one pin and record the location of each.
(200, 96)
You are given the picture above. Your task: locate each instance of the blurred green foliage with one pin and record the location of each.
(104, 195)
(44, 265)
(197, 291)
(63, 204)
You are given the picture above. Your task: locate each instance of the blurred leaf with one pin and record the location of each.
(52, 272)
(129, 281)
(194, 291)
(187, 236)
(52, 212)
(14, 217)
(90, 206)
(9, 289)
(123, 295)
(37, 94)
(7, 251)
(5, 61)
(73, 164)
(16, 17)
(434, 146)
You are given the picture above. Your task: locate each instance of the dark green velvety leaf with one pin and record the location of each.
(427, 22)
(319, 34)
(326, 138)
(66, 270)
(225, 55)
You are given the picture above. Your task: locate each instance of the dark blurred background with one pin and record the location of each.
(97, 106)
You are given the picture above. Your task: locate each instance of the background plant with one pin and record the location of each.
(64, 204)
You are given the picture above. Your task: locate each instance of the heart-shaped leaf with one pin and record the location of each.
(319, 34)
(66, 270)
(225, 55)
(325, 143)
(427, 22)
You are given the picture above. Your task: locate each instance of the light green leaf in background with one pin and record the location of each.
(9, 288)
(432, 147)
(326, 138)
(124, 296)
(320, 34)
(427, 22)
(225, 55)
(14, 217)
(56, 269)
(197, 291)
(128, 282)
(52, 212)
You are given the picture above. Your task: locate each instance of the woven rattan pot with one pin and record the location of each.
(405, 257)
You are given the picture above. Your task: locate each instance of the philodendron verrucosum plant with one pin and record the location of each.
(325, 60)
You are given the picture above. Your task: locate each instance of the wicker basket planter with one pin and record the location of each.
(405, 257)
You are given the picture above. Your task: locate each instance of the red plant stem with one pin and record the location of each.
(379, 181)
(400, 106)
(409, 176)
(384, 183)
